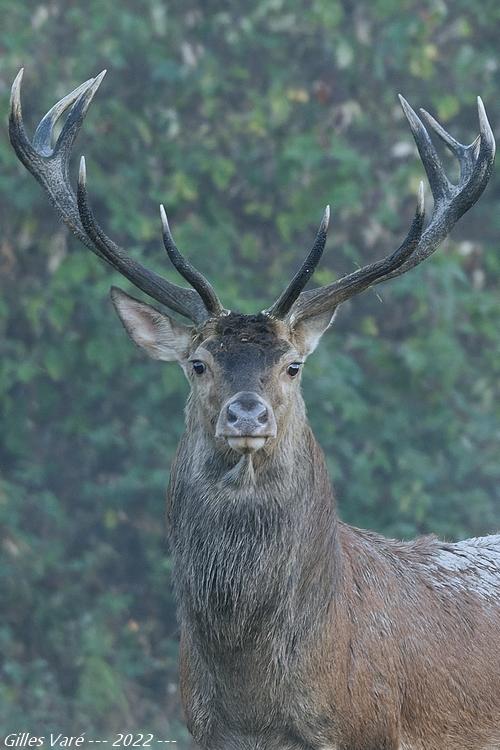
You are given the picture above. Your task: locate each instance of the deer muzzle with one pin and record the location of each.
(246, 422)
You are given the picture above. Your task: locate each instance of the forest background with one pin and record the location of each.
(245, 119)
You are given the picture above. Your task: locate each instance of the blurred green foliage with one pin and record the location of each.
(245, 119)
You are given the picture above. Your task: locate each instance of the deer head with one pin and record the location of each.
(244, 370)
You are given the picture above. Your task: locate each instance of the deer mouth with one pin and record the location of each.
(246, 443)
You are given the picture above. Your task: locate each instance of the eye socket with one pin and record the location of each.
(199, 367)
(293, 369)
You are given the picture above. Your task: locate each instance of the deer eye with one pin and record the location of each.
(199, 367)
(293, 369)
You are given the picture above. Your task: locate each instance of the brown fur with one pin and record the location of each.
(300, 632)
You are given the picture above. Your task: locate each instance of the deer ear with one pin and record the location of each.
(158, 334)
(308, 332)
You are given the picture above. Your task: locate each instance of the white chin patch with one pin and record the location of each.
(247, 444)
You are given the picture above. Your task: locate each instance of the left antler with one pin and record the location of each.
(450, 203)
(49, 163)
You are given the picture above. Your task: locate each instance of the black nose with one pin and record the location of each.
(246, 414)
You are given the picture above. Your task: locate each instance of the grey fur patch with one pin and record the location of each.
(474, 565)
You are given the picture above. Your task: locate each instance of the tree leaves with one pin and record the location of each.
(245, 120)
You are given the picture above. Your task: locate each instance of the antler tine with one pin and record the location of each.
(171, 295)
(44, 134)
(454, 146)
(483, 157)
(74, 121)
(450, 203)
(49, 165)
(285, 301)
(318, 300)
(17, 133)
(188, 271)
(440, 185)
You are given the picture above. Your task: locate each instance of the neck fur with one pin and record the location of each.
(254, 539)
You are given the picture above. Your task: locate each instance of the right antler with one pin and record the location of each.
(49, 165)
(450, 203)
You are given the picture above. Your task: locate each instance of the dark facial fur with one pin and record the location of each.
(246, 347)
(246, 353)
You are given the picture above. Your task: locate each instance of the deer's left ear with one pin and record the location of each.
(308, 332)
(159, 335)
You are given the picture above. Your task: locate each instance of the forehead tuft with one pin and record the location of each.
(251, 329)
(236, 337)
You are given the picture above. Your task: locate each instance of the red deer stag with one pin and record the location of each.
(298, 632)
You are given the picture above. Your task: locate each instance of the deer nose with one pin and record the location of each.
(247, 409)
(246, 418)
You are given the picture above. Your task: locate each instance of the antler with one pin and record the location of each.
(195, 278)
(286, 299)
(49, 165)
(450, 203)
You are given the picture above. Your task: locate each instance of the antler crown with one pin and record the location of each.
(48, 162)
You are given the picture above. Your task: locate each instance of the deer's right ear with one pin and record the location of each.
(158, 334)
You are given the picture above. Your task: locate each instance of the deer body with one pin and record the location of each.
(337, 637)
(298, 631)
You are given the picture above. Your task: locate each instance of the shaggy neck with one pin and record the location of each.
(254, 543)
